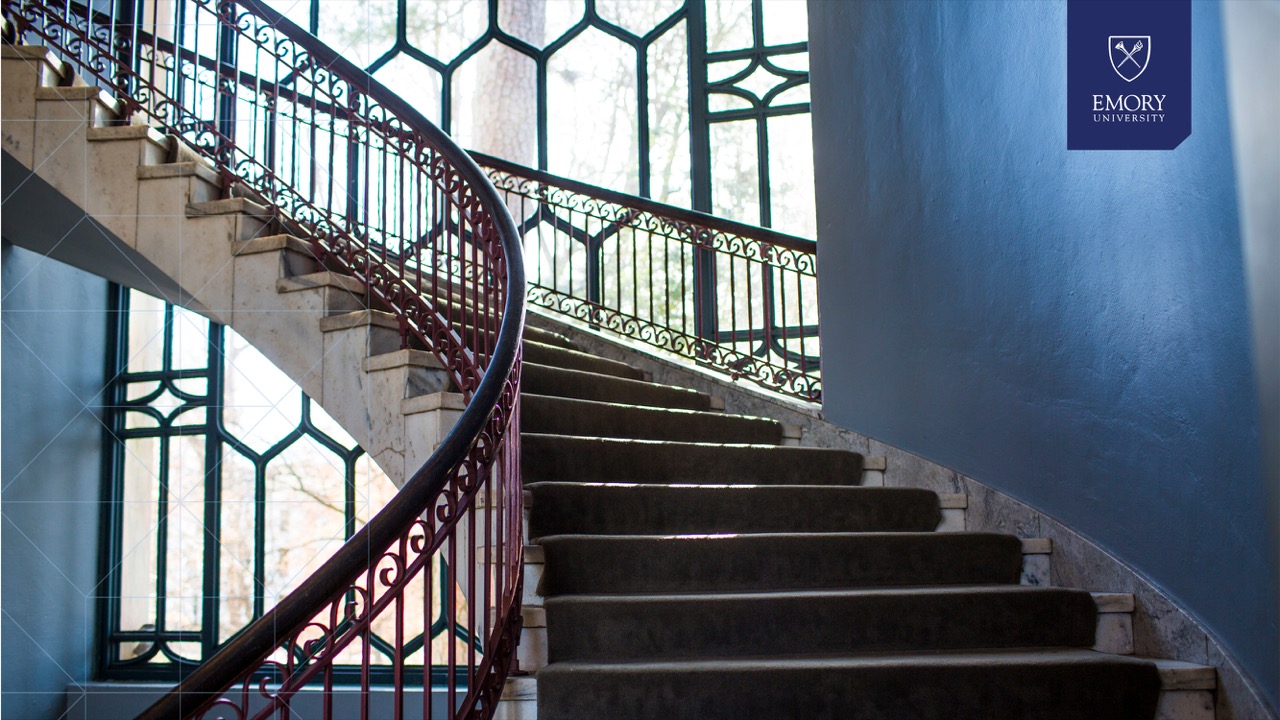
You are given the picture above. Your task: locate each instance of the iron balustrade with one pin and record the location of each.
(381, 194)
(695, 73)
(733, 298)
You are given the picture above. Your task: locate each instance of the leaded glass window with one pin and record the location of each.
(698, 103)
(230, 487)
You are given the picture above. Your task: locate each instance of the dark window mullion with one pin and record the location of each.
(211, 584)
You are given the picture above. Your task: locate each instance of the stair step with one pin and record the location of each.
(548, 337)
(1062, 684)
(559, 382)
(79, 93)
(601, 564)
(565, 458)
(569, 416)
(565, 358)
(125, 132)
(321, 279)
(231, 206)
(650, 509)
(651, 627)
(360, 318)
(177, 169)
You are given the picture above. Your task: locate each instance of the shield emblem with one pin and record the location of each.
(1129, 55)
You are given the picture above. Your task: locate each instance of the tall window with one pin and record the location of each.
(698, 103)
(232, 488)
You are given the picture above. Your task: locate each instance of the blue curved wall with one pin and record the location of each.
(1068, 327)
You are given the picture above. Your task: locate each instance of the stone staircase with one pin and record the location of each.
(683, 562)
(686, 563)
(162, 208)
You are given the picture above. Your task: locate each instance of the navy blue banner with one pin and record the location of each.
(1128, 74)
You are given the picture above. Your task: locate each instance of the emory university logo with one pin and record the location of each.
(1120, 100)
(1129, 62)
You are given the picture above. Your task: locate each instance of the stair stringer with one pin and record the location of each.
(226, 258)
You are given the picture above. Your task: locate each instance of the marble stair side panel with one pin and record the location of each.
(61, 150)
(428, 418)
(953, 507)
(194, 252)
(1187, 691)
(1115, 623)
(347, 392)
(393, 377)
(1037, 555)
(282, 326)
(114, 153)
(25, 68)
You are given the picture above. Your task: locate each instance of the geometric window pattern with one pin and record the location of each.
(229, 488)
(697, 103)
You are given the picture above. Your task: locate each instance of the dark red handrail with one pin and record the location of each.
(248, 95)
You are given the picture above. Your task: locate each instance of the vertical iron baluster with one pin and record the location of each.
(469, 558)
(782, 311)
(428, 622)
(397, 657)
(451, 620)
(365, 650)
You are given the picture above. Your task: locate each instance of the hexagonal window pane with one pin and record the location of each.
(235, 543)
(669, 118)
(495, 104)
(363, 32)
(304, 514)
(261, 405)
(444, 28)
(735, 192)
(418, 84)
(539, 22)
(591, 116)
(637, 17)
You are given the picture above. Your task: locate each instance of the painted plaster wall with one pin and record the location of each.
(54, 330)
(1068, 327)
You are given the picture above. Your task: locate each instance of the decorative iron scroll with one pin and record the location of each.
(353, 170)
(735, 299)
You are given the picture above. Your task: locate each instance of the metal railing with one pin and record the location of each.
(383, 195)
(733, 298)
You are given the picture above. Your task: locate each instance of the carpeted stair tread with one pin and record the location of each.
(653, 509)
(600, 564)
(625, 627)
(1042, 684)
(569, 416)
(548, 337)
(566, 458)
(560, 382)
(566, 358)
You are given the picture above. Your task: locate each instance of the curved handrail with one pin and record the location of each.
(486, 434)
(659, 209)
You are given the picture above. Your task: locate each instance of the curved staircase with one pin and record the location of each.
(689, 565)
(683, 562)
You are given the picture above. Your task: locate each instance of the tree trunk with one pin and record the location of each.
(505, 103)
